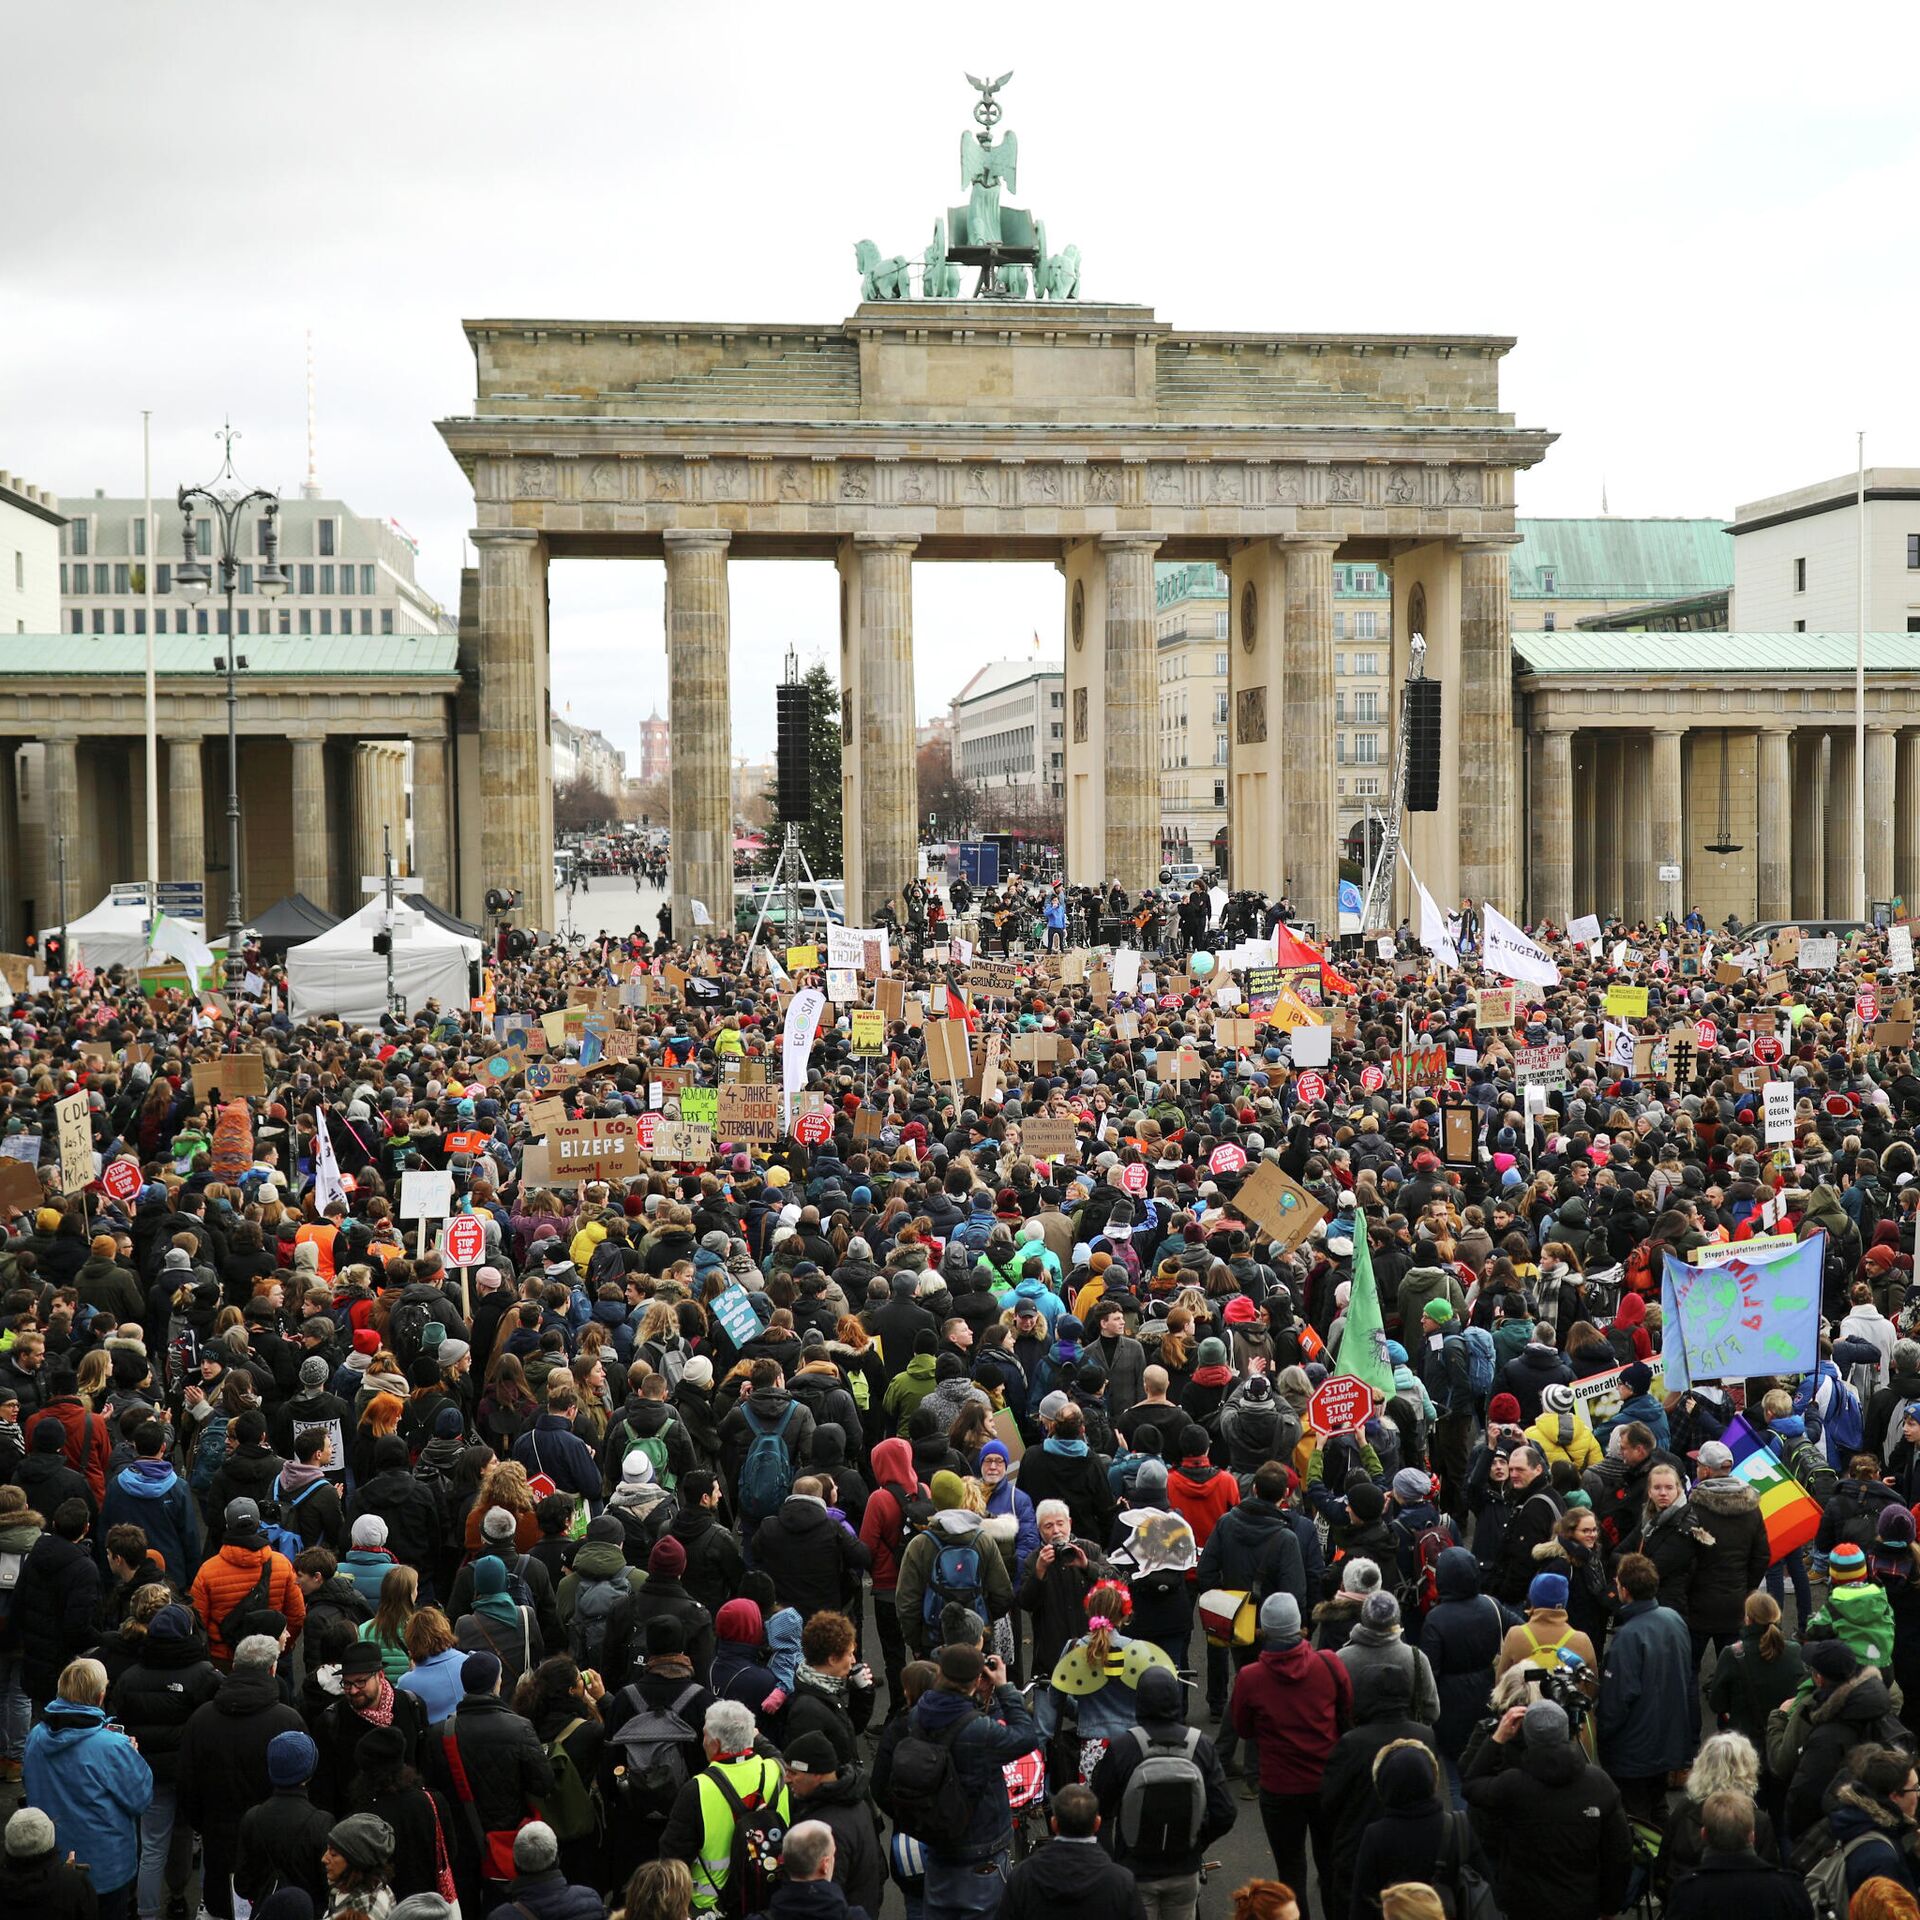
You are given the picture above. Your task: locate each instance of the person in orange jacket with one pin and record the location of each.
(241, 1566)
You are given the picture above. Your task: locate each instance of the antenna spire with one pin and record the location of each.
(310, 488)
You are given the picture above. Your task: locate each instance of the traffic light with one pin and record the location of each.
(56, 953)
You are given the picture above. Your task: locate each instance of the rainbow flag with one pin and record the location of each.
(1791, 1513)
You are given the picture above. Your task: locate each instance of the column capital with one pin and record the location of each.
(1129, 542)
(1310, 542)
(885, 542)
(1883, 726)
(1664, 733)
(692, 539)
(502, 536)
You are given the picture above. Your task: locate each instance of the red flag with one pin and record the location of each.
(957, 1009)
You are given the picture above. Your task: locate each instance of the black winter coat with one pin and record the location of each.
(714, 1564)
(1078, 1479)
(1347, 1793)
(859, 1864)
(411, 1509)
(813, 1561)
(1461, 1639)
(339, 1730)
(1672, 1541)
(1856, 1712)
(47, 1888)
(280, 1845)
(1254, 1549)
(156, 1697)
(1735, 1562)
(505, 1765)
(663, 1599)
(54, 1606)
(1528, 1375)
(248, 1472)
(1554, 1829)
(223, 1755)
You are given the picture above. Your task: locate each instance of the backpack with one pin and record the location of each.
(1844, 1422)
(916, 1509)
(654, 1446)
(596, 1606)
(766, 1475)
(1480, 1358)
(256, 1597)
(929, 1803)
(1464, 1892)
(653, 1745)
(1419, 1592)
(1808, 1465)
(954, 1578)
(406, 1326)
(1164, 1803)
(753, 1860)
(1640, 1274)
(10, 1565)
(274, 1513)
(568, 1807)
(519, 1588)
(1827, 1877)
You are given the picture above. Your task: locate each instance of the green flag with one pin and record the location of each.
(1363, 1342)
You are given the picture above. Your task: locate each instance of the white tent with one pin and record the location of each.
(337, 974)
(112, 935)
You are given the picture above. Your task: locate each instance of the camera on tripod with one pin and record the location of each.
(1564, 1683)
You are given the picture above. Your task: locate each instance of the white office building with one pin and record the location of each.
(1796, 559)
(30, 523)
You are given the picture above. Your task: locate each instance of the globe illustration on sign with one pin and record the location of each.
(1713, 1301)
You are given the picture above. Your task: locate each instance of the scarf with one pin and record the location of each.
(380, 1714)
(498, 1606)
(1213, 1376)
(833, 1685)
(1073, 1449)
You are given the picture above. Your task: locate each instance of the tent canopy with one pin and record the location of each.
(114, 934)
(338, 975)
(292, 920)
(442, 918)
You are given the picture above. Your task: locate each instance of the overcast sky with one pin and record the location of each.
(1699, 222)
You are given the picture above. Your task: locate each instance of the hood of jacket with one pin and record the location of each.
(800, 1515)
(1724, 1496)
(955, 1522)
(1858, 1701)
(1457, 1574)
(599, 1560)
(147, 1479)
(67, 1724)
(893, 1460)
(247, 1693)
(921, 1366)
(1366, 1636)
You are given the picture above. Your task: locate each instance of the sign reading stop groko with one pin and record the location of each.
(1340, 1405)
(1228, 1157)
(1769, 1049)
(1705, 1033)
(1372, 1079)
(121, 1179)
(1312, 1088)
(812, 1129)
(1134, 1177)
(466, 1240)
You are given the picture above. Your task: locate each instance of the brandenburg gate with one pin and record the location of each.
(999, 427)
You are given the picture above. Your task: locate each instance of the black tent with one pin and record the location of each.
(441, 918)
(288, 922)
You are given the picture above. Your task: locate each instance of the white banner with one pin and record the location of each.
(1509, 951)
(1584, 927)
(803, 1022)
(1778, 1096)
(1434, 936)
(327, 1184)
(1899, 949)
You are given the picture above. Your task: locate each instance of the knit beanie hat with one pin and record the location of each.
(1362, 1576)
(1280, 1619)
(1366, 1503)
(1547, 1590)
(291, 1759)
(1150, 1476)
(1439, 1311)
(1544, 1724)
(1896, 1527)
(1411, 1486)
(1380, 1611)
(480, 1672)
(30, 1833)
(668, 1558)
(313, 1372)
(1503, 1410)
(1846, 1563)
(1832, 1660)
(948, 1490)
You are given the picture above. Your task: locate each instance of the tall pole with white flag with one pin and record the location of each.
(1860, 677)
(153, 698)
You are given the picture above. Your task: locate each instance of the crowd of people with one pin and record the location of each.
(905, 1517)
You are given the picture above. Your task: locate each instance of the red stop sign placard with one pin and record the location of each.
(1227, 1158)
(1372, 1078)
(1134, 1178)
(1866, 1006)
(466, 1240)
(1768, 1048)
(121, 1179)
(1340, 1405)
(644, 1129)
(812, 1129)
(1705, 1033)
(1312, 1087)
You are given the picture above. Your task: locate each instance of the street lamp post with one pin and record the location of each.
(227, 504)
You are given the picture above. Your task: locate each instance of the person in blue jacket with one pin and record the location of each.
(148, 1494)
(92, 1783)
(1004, 1497)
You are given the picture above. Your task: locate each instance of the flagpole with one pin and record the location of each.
(153, 702)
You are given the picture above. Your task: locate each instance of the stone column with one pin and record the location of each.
(1843, 827)
(1488, 832)
(700, 785)
(516, 785)
(1609, 888)
(1551, 895)
(431, 862)
(62, 775)
(889, 838)
(1773, 824)
(11, 875)
(187, 814)
(1878, 824)
(1132, 713)
(1306, 721)
(1809, 825)
(312, 857)
(1906, 842)
(370, 813)
(1586, 880)
(1666, 823)
(1636, 852)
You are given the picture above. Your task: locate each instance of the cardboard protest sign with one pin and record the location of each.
(14, 968)
(1311, 1045)
(1236, 1033)
(700, 1106)
(1544, 1067)
(869, 1033)
(1777, 1096)
(1126, 1026)
(748, 1113)
(989, 980)
(1040, 1049)
(596, 1149)
(1493, 1007)
(76, 1142)
(1819, 956)
(949, 1054)
(426, 1193)
(1177, 1063)
(890, 999)
(19, 1185)
(1626, 1003)
(867, 1124)
(682, 1140)
(1279, 1206)
(544, 1115)
(1047, 1138)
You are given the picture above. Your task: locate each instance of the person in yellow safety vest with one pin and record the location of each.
(700, 1828)
(729, 1040)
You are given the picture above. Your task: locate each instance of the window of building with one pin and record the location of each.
(325, 548)
(1366, 626)
(101, 575)
(77, 620)
(386, 619)
(76, 536)
(1339, 626)
(119, 620)
(306, 577)
(1219, 626)
(1339, 749)
(346, 619)
(1339, 663)
(366, 586)
(203, 538)
(1219, 709)
(1546, 624)
(246, 576)
(1340, 789)
(326, 579)
(1366, 749)
(260, 535)
(1056, 700)
(1339, 707)
(1366, 787)
(139, 535)
(1366, 663)
(286, 619)
(306, 619)
(1913, 623)
(162, 576)
(1548, 576)
(139, 619)
(326, 619)
(1799, 626)
(1219, 793)
(79, 579)
(1220, 664)
(366, 626)
(1219, 749)
(1800, 576)
(99, 619)
(220, 621)
(1366, 709)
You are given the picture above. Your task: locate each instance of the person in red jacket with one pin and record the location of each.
(1199, 1492)
(1292, 1704)
(88, 1444)
(883, 1529)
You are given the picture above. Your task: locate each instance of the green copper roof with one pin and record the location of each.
(176, 655)
(1620, 559)
(1187, 580)
(1632, 655)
